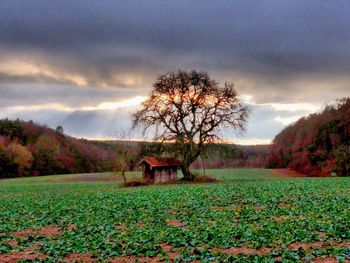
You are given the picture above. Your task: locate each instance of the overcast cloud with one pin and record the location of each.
(59, 58)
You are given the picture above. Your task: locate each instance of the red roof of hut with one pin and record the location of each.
(160, 162)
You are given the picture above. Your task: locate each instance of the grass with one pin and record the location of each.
(267, 217)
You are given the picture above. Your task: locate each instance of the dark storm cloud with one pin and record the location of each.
(71, 96)
(82, 53)
(275, 39)
(23, 79)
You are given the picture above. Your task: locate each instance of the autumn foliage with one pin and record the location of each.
(28, 149)
(316, 145)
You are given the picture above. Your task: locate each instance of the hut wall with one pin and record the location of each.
(165, 174)
(158, 175)
(173, 174)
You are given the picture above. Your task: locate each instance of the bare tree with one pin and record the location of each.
(123, 151)
(190, 109)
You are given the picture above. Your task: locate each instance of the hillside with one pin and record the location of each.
(318, 144)
(29, 149)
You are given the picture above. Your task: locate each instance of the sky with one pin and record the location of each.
(87, 65)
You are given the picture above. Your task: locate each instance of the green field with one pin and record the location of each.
(251, 215)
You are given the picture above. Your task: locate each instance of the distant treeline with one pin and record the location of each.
(233, 156)
(213, 156)
(30, 149)
(316, 145)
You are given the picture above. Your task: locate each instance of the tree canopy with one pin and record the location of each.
(190, 109)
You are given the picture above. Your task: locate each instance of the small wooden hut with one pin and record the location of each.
(159, 170)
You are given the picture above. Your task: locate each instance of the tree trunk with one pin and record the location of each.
(190, 154)
(123, 174)
(186, 172)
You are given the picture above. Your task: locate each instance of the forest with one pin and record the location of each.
(316, 145)
(30, 149)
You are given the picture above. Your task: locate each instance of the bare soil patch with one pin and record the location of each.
(242, 250)
(79, 257)
(280, 218)
(20, 256)
(12, 243)
(122, 259)
(297, 246)
(287, 198)
(49, 231)
(260, 207)
(132, 259)
(140, 225)
(25, 233)
(172, 212)
(32, 248)
(286, 173)
(288, 206)
(169, 250)
(175, 223)
(71, 227)
(342, 244)
(326, 260)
